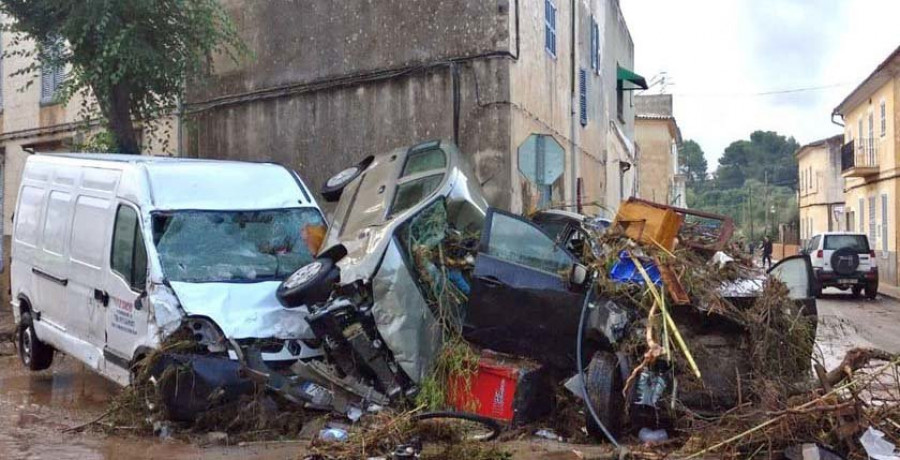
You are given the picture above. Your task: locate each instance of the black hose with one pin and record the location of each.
(488, 423)
(578, 357)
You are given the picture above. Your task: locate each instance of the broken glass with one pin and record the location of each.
(236, 246)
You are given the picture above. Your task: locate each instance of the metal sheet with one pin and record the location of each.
(403, 318)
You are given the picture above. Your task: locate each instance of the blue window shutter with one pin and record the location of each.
(582, 95)
(595, 41)
(550, 27)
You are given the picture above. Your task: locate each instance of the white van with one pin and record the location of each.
(111, 254)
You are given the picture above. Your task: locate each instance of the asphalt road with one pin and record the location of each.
(846, 322)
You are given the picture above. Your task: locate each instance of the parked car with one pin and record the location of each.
(525, 285)
(112, 254)
(843, 260)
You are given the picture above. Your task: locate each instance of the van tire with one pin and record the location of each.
(314, 286)
(33, 353)
(334, 186)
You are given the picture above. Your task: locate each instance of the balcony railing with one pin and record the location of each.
(859, 158)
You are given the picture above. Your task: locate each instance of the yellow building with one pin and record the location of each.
(821, 188)
(657, 136)
(869, 162)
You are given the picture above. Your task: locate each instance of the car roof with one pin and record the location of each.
(841, 233)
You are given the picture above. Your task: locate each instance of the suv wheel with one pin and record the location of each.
(35, 355)
(310, 284)
(871, 291)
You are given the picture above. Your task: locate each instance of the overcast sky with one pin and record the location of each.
(719, 56)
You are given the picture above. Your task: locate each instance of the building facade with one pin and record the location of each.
(870, 162)
(821, 188)
(537, 93)
(658, 138)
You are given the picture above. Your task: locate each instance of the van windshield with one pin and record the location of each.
(236, 246)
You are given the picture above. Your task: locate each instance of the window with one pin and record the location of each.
(56, 223)
(883, 108)
(522, 243)
(28, 217)
(550, 27)
(856, 243)
(595, 45)
(620, 101)
(851, 221)
(89, 229)
(236, 246)
(52, 74)
(872, 219)
(582, 96)
(129, 257)
(884, 225)
(424, 160)
(413, 192)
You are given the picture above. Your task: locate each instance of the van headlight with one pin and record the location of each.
(205, 333)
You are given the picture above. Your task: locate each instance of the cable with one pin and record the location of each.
(578, 353)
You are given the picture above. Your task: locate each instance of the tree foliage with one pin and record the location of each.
(692, 162)
(133, 56)
(766, 155)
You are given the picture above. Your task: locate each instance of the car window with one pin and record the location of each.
(129, 256)
(517, 241)
(858, 243)
(412, 193)
(814, 243)
(426, 160)
(794, 273)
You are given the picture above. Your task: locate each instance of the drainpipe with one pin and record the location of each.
(179, 136)
(573, 152)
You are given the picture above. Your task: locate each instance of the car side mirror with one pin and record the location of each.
(578, 276)
(141, 301)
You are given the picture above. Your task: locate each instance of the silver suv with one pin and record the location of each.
(843, 260)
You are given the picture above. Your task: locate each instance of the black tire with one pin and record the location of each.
(856, 290)
(309, 285)
(872, 291)
(491, 425)
(33, 353)
(845, 261)
(334, 186)
(604, 387)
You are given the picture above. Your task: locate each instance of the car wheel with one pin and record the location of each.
(857, 290)
(871, 291)
(310, 284)
(35, 355)
(604, 386)
(334, 186)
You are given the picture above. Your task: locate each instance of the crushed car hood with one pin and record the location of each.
(244, 310)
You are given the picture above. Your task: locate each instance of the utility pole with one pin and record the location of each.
(766, 206)
(750, 199)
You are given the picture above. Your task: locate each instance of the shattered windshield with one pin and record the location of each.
(236, 246)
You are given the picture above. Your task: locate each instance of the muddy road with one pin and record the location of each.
(36, 409)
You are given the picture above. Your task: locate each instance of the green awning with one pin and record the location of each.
(625, 75)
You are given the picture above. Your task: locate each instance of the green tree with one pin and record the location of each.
(133, 56)
(692, 162)
(766, 156)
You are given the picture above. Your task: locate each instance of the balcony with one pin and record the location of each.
(859, 158)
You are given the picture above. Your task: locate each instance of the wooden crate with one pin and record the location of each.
(649, 224)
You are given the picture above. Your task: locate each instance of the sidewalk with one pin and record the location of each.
(888, 290)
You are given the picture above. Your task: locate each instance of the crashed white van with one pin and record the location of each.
(111, 254)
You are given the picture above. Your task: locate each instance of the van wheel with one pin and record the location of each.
(309, 285)
(334, 186)
(35, 355)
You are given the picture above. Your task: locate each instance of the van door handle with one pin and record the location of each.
(102, 297)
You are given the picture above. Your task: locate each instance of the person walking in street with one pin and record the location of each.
(767, 252)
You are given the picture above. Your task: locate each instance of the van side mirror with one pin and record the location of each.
(578, 276)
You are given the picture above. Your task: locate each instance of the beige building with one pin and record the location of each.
(658, 138)
(33, 121)
(537, 93)
(870, 162)
(821, 187)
